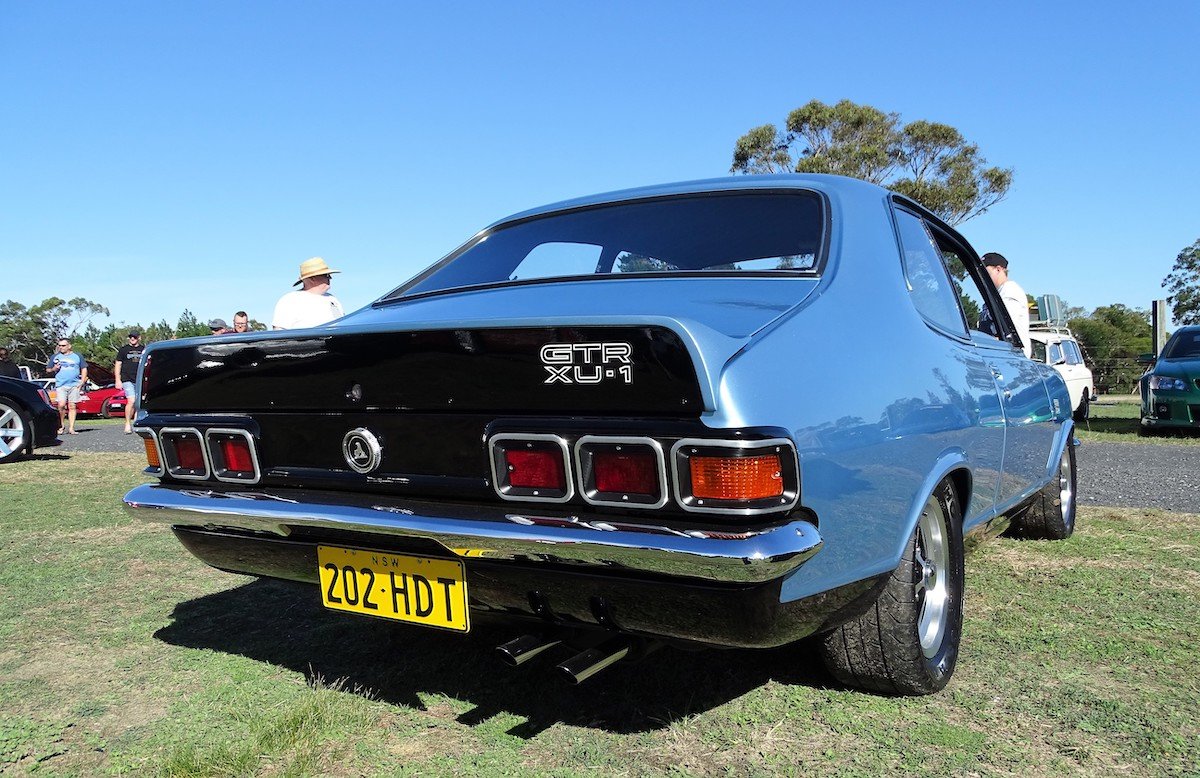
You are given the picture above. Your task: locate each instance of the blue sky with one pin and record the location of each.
(162, 156)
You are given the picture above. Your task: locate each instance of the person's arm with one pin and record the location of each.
(52, 366)
(82, 374)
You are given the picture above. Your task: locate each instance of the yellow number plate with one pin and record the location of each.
(432, 592)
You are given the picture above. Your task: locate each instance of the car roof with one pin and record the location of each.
(842, 185)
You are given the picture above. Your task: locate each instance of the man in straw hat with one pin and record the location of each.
(311, 305)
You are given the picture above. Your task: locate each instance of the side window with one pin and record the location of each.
(1074, 355)
(1056, 353)
(981, 319)
(929, 285)
(1039, 351)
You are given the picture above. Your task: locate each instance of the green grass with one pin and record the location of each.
(1117, 420)
(119, 653)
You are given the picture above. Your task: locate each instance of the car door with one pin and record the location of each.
(965, 378)
(1029, 419)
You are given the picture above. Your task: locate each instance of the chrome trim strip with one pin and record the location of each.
(212, 457)
(739, 445)
(487, 532)
(615, 439)
(162, 453)
(566, 455)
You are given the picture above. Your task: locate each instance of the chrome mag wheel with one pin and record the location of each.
(932, 560)
(13, 432)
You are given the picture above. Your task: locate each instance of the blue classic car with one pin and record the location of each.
(723, 413)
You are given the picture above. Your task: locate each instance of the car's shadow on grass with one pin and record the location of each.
(284, 624)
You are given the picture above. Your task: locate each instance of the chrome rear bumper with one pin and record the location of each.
(491, 532)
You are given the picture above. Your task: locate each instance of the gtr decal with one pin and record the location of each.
(587, 363)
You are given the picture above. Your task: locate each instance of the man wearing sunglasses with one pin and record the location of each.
(70, 376)
(125, 369)
(313, 304)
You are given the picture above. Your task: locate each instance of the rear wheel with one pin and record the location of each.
(1051, 515)
(1085, 406)
(907, 641)
(15, 431)
(106, 410)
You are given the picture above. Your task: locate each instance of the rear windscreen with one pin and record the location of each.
(713, 233)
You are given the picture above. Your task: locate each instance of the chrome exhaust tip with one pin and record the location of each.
(517, 652)
(587, 663)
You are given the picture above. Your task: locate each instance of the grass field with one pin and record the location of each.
(1115, 418)
(119, 653)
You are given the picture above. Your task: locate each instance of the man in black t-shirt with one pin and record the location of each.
(8, 368)
(125, 369)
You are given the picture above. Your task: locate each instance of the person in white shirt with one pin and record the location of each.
(1014, 297)
(312, 305)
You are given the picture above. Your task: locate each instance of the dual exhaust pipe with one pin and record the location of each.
(575, 670)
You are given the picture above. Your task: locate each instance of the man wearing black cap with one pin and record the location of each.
(125, 369)
(1011, 293)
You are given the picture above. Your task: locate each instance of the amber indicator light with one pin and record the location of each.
(151, 453)
(736, 478)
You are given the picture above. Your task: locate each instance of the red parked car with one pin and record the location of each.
(107, 401)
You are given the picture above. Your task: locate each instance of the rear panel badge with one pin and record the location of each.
(587, 363)
(361, 450)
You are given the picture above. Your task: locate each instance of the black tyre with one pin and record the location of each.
(106, 410)
(16, 431)
(907, 641)
(1051, 515)
(1084, 411)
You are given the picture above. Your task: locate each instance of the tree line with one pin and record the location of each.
(31, 332)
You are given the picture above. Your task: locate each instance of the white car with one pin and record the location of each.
(1060, 350)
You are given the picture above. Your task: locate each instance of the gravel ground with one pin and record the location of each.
(1140, 475)
(1130, 475)
(97, 436)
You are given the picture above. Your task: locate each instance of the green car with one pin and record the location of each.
(1171, 387)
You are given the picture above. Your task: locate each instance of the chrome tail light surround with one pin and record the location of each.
(586, 449)
(216, 455)
(169, 454)
(151, 440)
(498, 445)
(684, 450)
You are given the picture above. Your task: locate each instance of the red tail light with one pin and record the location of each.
(236, 453)
(234, 457)
(189, 453)
(631, 473)
(530, 466)
(621, 471)
(535, 469)
(182, 453)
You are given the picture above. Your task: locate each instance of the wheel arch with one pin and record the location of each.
(952, 465)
